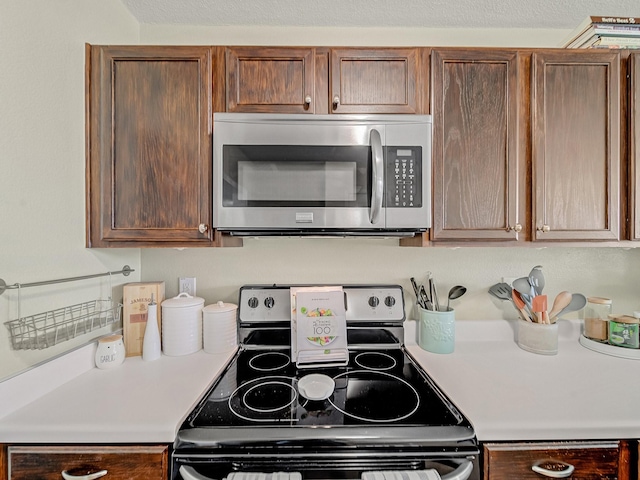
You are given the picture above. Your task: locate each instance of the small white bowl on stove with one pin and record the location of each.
(316, 386)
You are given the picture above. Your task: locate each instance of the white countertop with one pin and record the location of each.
(506, 392)
(136, 402)
(511, 394)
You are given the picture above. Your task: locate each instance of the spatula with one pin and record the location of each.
(501, 291)
(520, 305)
(540, 308)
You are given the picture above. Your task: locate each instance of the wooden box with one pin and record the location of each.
(135, 299)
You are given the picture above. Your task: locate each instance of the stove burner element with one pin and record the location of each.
(269, 361)
(251, 394)
(268, 399)
(375, 361)
(364, 385)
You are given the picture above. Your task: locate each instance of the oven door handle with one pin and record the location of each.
(463, 472)
(189, 473)
(377, 177)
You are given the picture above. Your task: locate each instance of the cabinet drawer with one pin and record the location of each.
(590, 460)
(126, 463)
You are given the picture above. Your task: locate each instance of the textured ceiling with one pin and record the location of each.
(561, 14)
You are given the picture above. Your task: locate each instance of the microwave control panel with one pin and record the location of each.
(403, 177)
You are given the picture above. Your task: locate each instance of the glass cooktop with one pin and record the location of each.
(381, 387)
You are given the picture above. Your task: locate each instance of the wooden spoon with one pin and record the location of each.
(560, 302)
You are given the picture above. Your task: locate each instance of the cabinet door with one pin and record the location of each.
(634, 145)
(382, 80)
(149, 169)
(587, 460)
(479, 177)
(576, 145)
(279, 80)
(124, 463)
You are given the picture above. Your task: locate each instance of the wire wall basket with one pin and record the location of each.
(46, 329)
(49, 328)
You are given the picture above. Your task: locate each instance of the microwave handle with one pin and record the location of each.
(377, 178)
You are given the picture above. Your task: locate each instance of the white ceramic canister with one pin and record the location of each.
(182, 325)
(110, 352)
(220, 331)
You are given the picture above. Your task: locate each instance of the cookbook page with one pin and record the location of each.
(318, 327)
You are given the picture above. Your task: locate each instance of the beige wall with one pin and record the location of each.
(42, 158)
(332, 36)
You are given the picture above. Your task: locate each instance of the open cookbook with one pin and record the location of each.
(318, 327)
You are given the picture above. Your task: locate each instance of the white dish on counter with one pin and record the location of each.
(622, 352)
(316, 386)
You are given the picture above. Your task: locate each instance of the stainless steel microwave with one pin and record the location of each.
(297, 174)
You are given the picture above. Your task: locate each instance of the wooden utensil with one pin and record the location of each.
(560, 302)
(540, 308)
(520, 305)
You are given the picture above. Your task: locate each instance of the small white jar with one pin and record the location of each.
(110, 352)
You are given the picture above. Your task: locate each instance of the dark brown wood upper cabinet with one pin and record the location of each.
(271, 79)
(321, 80)
(381, 80)
(479, 176)
(149, 145)
(634, 145)
(575, 98)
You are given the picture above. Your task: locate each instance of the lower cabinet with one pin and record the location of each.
(125, 462)
(608, 460)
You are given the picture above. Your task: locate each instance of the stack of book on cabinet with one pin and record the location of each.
(605, 32)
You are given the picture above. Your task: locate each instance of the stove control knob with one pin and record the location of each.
(254, 302)
(389, 301)
(374, 301)
(269, 302)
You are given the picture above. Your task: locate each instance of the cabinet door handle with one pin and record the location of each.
(544, 228)
(202, 228)
(92, 476)
(336, 102)
(553, 469)
(307, 100)
(515, 228)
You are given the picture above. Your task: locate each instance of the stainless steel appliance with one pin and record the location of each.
(322, 174)
(384, 414)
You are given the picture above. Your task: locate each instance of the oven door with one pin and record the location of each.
(452, 466)
(283, 173)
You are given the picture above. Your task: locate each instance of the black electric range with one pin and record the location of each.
(384, 412)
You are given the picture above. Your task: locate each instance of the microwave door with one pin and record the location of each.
(310, 185)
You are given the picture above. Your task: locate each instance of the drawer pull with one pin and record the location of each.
(92, 476)
(553, 469)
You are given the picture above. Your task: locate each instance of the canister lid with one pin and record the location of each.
(219, 307)
(110, 339)
(182, 300)
(599, 300)
(625, 319)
